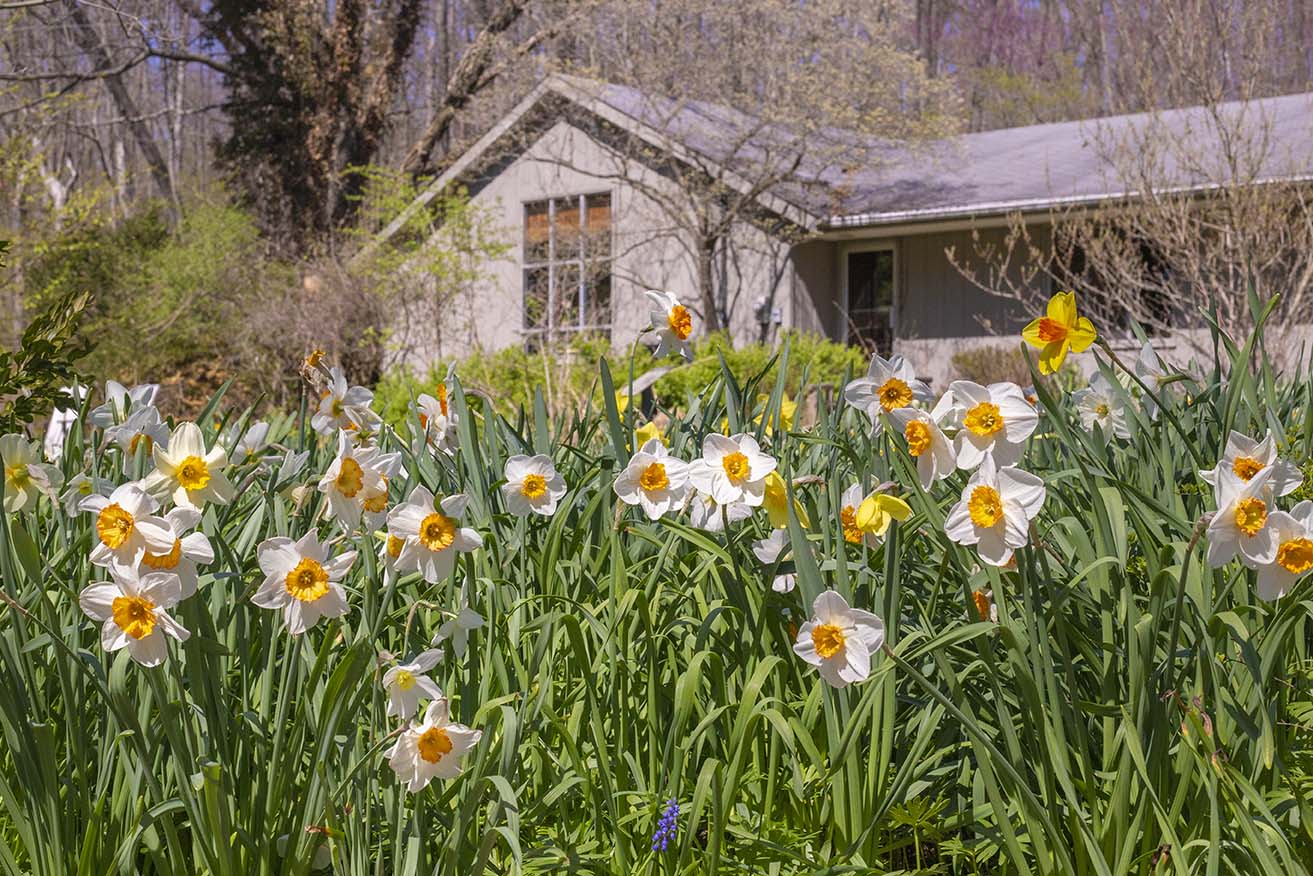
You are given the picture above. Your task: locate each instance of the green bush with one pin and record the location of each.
(569, 374)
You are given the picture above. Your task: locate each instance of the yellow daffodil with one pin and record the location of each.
(776, 503)
(649, 431)
(1058, 331)
(878, 511)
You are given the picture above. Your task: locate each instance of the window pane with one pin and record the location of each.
(598, 225)
(567, 228)
(871, 299)
(535, 298)
(599, 295)
(537, 232)
(567, 297)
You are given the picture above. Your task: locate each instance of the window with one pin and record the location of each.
(567, 266)
(870, 316)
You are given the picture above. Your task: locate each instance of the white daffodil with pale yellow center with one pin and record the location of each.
(1242, 523)
(250, 443)
(865, 518)
(430, 533)
(126, 527)
(889, 385)
(140, 433)
(189, 549)
(27, 477)
(532, 486)
(672, 325)
(301, 581)
(343, 407)
(1243, 458)
(188, 472)
(132, 610)
(731, 470)
(839, 641)
(653, 480)
(1292, 532)
(408, 683)
(1101, 404)
(81, 486)
(934, 453)
(992, 420)
(431, 749)
(995, 511)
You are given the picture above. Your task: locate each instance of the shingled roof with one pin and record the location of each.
(1033, 168)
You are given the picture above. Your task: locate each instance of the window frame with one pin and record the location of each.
(555, 266)
(895, 303)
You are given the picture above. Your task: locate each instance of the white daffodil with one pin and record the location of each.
(993, 420)
(839, 641)
(768, 550)
(253, 441)
(79, 487)
(457, 629)
(1292, 532)
(355, 475)
(706, 513)
(343, 407)
(133, 612)
(995, 511)
(431, 534)
(1102, 404)
(301, 580)
(532, 486)
(437, 419)
(431, 749)
(188, 472)
(731, 470)
(142, 429)
(653, 480)
(120, 401)
(189, 549)
(1244, 458)
(1241, 523)
(26, 475)
(407, 684)
(889, 385)
(935, 455)
(127, 527)
(672, 325)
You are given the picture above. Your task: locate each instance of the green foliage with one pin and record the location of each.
(32, 377)
(568, 374)
(1132, 712)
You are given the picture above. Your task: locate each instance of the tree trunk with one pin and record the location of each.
(89, 41)
(711, 320)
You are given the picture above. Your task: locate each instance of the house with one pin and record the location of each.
(585, 180)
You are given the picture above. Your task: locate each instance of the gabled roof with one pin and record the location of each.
(1028, 169)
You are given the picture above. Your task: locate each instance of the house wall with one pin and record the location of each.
(649, 252)
(938, 310)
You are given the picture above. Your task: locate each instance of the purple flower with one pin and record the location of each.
(666, 827)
